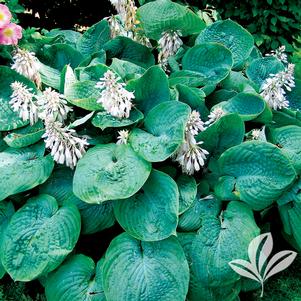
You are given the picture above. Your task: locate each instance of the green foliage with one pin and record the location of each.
(157, 202)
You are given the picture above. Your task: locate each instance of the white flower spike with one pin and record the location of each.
(215, 115)
(279, 54)
(53, 105)
(66, 147)
(169, 44)
(22, 101)
(27, 64)
(273, 88)
(115, 99)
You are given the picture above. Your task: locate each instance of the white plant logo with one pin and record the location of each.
(259, 268)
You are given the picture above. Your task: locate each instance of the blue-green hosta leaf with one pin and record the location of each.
(188, 78)
(58, 56)
(7, 210)
(94, 38)
(188, 190)
(83, 94)
(287, 117)
(105, 120)
(247, 105)
(289, 139)
(150, 89)
(228, 131)
(109, 172)
(260, 173)
(152, 213)
(126, 70)
(192, 219)
(212, 60)
(94, 218)
(25, 136)
(236, 81)
(69, 37)
(67, 78)
(128, 50)
(294, 96)
(145, 271)
(50, 76)
(23, 169)
(194, 97)
(231, 35)
(96, 58)
(220, 240)
(164, 125)
(164, 15)
(38, 238)
(262, 68)
(77, 279)
(92, 73)
(10, 120)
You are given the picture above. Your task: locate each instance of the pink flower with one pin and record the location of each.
(10, 34)
(5, 15)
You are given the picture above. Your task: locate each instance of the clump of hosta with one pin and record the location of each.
(114, 98)
(66, 147)
(279, 53)
(53, 104)
(26, 63)
(23, 102)
(274, 88)
(168, 45)
(190, 155)
(215, 115)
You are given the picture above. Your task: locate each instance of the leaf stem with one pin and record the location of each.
(262, 289)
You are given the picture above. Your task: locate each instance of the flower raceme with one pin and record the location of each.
(10, 33)
(190, 155)
(115, 99)
(273, 88)
(26, 63)
(66, 147)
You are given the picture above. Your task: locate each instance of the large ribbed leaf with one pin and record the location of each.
(259, 173)
(39, 237)
(212, 60)
(231, 35)
(164, 125)
(247, 105)
(58, 56)
(50, 76)
(128, 50)
(6, 212)
(294, 96)
(290, 210)
(188, 190)
(152, 213)
(289, 139)
(83, 94)
(109, 172)
(260, 69)
(94, 217)
(145, 271)
(10, 120)
(220, 240)
(192, 219)
(150, 89)
(228, 131)
(164, 15)
(25, 136)
(22, 169)
(105, 120)
(194, 97)
(94, 38)
(77, 279)
(92, 73)
(126, 70)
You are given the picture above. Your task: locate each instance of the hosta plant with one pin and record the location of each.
(172, 134)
